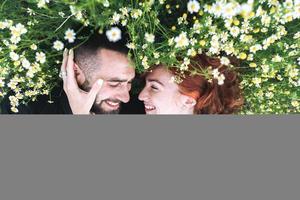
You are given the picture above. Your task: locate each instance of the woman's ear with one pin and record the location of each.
(188, 102)
(79, 75)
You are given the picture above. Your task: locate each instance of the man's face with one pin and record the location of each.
(117, 72)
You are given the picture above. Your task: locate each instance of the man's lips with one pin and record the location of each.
(112, 103)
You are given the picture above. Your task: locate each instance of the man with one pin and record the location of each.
(103, 73)
(97, 78)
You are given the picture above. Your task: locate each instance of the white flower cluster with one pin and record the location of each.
(16, 32)
(217, 75)
(228, 10)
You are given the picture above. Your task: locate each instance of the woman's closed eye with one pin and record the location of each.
(153, 87)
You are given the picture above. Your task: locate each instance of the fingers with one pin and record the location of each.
(94, 91)
(64, 62)
(70, 66)
(63, 65)
(70, 79)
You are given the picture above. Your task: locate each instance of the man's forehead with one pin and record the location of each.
(117, 69)
(119, 73)
(111, 58)
(108, 54)
(114, 66)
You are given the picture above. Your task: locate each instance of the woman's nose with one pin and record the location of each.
(143, 95)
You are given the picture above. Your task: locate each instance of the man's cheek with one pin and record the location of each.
(102, 95)
(99, 97)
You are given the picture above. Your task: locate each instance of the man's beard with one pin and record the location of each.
(97, 109)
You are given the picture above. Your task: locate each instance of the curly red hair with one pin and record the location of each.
(211, 98)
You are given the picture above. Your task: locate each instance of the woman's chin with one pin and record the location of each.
(151, 112)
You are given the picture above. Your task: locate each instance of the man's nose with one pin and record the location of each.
(124, 96)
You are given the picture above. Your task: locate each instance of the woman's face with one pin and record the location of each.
(161, 95)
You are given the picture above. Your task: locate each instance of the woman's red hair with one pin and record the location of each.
(211, 98)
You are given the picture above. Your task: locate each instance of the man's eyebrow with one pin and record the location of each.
(119, 80)
(155, 80)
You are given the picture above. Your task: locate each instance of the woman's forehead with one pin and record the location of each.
(160, 73)
(163, 75)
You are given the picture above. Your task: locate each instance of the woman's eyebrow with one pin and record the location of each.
(155, 80)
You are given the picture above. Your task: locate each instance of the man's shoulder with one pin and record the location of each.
(55, 103)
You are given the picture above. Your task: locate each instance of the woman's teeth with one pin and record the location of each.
(149, 107)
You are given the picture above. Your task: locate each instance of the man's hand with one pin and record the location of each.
(80, 101)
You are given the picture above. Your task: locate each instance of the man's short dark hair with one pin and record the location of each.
(85, 54)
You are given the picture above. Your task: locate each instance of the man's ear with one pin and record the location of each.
(79, 75)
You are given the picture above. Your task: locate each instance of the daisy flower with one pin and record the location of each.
(70, 35)
(181, 40)
(14, 56)
(149, 37)
(25, 63)
(40, 57)
(225, 61)
(114, 34)
(193, 6)
(58, 45)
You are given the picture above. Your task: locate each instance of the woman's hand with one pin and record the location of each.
(80, 101)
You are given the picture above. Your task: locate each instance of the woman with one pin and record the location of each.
(195, 94)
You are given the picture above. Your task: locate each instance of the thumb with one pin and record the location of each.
(94, 91)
